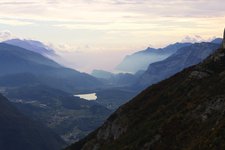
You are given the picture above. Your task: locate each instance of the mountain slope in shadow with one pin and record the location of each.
(19, 132)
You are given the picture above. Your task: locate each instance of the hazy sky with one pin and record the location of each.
(109, 28)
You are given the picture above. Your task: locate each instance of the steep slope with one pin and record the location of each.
(183, 58)
(140, 60)
(32, 45)
(16, 61)
(184, 112)
(19, 132)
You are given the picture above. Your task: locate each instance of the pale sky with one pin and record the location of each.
(105, 30)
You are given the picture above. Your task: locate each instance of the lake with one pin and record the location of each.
(89, 97)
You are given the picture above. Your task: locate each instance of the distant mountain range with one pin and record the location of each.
(185, 111)
(141, 59)
(15, 61)
(156, 72)
(102, 74)
(183, 58)
(115, 80)
(18, 132)
(32, 45)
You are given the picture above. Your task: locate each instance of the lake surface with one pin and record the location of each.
(89, 97)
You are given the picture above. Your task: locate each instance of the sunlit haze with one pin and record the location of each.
(91, 34)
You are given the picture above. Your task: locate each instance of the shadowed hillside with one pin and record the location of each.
(17, 132)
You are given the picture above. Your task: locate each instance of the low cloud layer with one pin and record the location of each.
(5, 35)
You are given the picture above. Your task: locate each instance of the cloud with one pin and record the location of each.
(5, 35)
(192, 39)
(15, 22)
(109, 14)
(112, 9)
(196, 39)
(17, 3)
(62, 48)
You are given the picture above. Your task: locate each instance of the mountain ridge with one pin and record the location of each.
(183, 58)
(141, 59)
(16, 60)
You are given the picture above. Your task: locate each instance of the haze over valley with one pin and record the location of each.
(112, 75)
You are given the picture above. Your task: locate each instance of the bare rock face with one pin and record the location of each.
(112, 129)
(198, 74)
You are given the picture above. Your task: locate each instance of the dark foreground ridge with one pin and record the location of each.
(184, 112)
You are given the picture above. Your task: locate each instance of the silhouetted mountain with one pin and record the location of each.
(17, 132)
(217, 41)
(183, 58)
(16, 61)
(123, 79)
(183, 112)
(140, 60)
(102, 74)
(32, 45)
(115, 80)
(139, 73)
